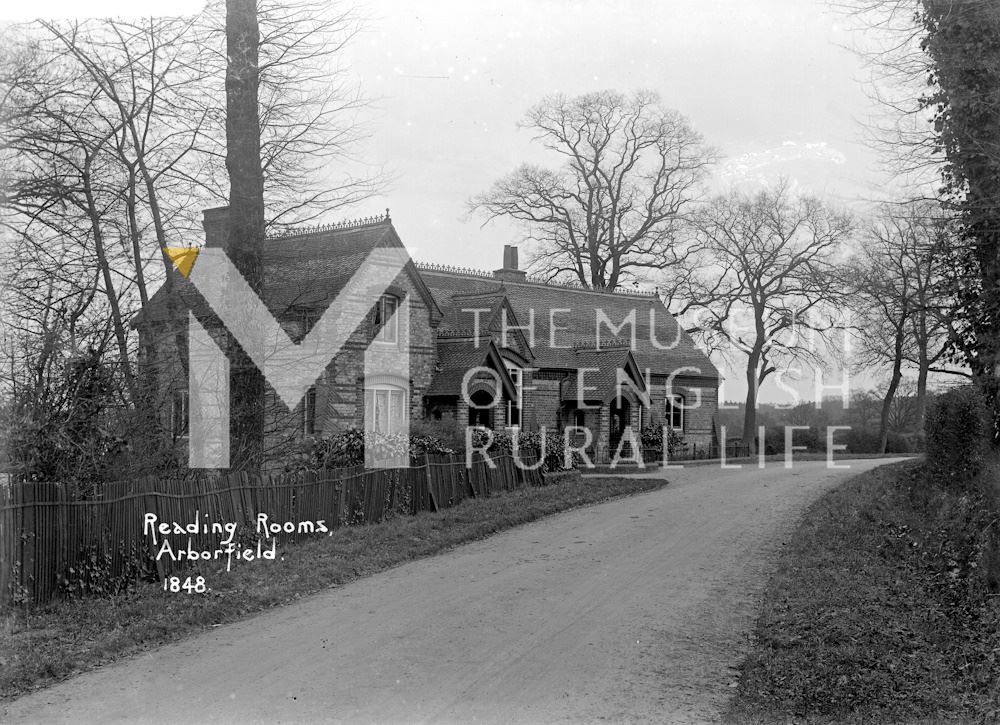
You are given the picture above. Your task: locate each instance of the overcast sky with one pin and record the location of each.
(768, 82)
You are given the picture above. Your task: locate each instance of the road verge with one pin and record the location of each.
(884, 607)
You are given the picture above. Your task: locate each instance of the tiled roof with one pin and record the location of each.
(662, 347)
(486, 315)
(600, 384)
(456, 356)
(308, 268)
(305, 269)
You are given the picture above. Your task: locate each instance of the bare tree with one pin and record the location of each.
(612, 211)
(901, 316)
(113, 139)
(904, 409)
(96, 142)
(864, 409)
(308, 107)
(882, 280)
(888, 37)
(944, 61)
(771, 260)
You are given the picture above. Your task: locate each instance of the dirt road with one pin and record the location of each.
(635, 610)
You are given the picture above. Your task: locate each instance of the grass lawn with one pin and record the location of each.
(884, 608)
(46, 644)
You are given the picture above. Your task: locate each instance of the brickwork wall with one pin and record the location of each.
(544, 403)
(702, 400)
(340, 394)
(339, 390)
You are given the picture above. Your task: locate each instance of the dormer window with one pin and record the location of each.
(386, 319)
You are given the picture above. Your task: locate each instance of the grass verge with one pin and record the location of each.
(40, 646)
(884, 608)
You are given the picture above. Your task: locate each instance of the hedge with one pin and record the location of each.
(957, 429)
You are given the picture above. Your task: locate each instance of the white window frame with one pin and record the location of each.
(517, 375)
(386, 315)
(390, 393)
(674, 404)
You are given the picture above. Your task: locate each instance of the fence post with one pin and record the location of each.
(435, 504)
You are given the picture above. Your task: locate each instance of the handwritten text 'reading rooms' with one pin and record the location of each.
(229, 546)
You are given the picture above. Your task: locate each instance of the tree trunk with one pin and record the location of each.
(121, 336)
(922, 372)
(750, 410)
(890, 393)
(246, 231)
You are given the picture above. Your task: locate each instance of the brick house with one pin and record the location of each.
(496, 349)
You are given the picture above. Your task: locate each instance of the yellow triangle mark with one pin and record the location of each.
(182, 257)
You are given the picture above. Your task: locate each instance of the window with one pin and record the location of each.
(514, 406)
(179, 413)
(386, 319)
(385, 409)
(309, 412)
(675, 411)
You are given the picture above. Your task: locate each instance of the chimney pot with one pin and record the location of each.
(509, 257)
(509, 272)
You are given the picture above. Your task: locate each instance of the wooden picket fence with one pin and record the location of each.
(44, 532)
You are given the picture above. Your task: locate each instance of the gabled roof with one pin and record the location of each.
(458, 355)
(562, 316)
(306, 269)
(601, 379)
(488, 315)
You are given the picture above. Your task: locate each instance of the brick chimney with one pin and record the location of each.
(216, 224)
(509, 272)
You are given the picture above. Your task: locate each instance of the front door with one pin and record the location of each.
(621, 417)
(479, 411)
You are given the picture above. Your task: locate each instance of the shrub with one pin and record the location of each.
(651, 437)
(347, 449)
(866, 440)
(528, 443)
(957, 427)
(449, 433)
(92, 572)
(813, 439)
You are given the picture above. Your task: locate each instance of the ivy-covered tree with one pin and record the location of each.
(963, 42)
